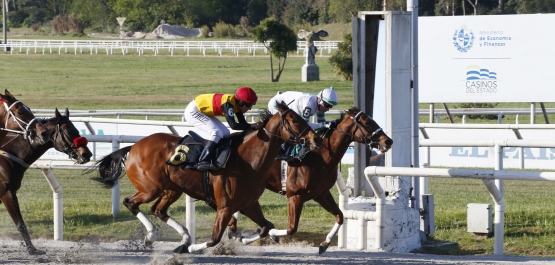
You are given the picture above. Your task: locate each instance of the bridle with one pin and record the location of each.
(295, 137)
(59, 133)
(364, 139)
(24, 129)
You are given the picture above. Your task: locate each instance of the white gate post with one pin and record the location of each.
(58, 196)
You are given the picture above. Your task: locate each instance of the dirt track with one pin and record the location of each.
(132, 252)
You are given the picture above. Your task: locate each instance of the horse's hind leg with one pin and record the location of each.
(223, 215)
(12, 206)
(295, 207)
(160, 210)
(132, 203)
(327, 201)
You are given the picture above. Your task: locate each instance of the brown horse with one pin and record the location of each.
(15, 117)
(237, 187)
(313, 178)
(19, 153)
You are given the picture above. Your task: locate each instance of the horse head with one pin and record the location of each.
(365, 130)
(295, 129)
(66, 138)
(18, 118)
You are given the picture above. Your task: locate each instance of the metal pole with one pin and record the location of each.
(4, 22)
(412, 5)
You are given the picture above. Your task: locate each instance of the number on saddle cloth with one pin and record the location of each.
(189, 148)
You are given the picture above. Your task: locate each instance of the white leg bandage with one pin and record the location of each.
(333, 232)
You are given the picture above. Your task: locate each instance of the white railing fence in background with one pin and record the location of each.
(174, 47)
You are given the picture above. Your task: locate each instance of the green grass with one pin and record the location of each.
(144, 82)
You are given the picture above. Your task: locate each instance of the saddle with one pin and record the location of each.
(188, 150)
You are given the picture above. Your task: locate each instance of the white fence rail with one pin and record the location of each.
(109, 47)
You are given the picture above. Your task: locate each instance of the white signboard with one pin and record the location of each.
(502, 58)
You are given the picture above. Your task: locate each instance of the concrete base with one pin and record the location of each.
(401, 234)
(310, 72)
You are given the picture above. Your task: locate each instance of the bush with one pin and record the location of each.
(223, 30)
(480, 105)
(342, 60)
(66, 23)
(205, 31)
(35, 27)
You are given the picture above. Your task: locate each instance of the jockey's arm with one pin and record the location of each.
(240, 124)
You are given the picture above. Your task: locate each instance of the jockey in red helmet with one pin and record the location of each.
(202, 112)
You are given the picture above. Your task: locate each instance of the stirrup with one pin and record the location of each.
(179, 156)
(202, 166)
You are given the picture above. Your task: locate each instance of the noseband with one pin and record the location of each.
(284, 123)
(24, 130)
(364, 139)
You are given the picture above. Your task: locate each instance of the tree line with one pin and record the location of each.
(145, 15)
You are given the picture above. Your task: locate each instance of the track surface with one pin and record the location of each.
(227, 252)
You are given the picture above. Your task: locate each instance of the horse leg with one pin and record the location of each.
(327, 201)
(295, 207)
(12, 206)
(160, 210)
(132, 203)
(254, 212)
(223, 216)
(232, 232)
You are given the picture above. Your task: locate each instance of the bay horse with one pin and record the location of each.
(18, 154)
(237, 187)
(313, 178)
(17, 118)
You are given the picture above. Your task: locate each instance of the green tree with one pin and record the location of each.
(279, 40)
(342, 10)
(342, 60)
(257, 10)
(96, 15)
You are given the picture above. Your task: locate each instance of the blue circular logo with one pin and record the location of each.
(463, 40)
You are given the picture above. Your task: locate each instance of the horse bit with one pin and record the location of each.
(365, 139)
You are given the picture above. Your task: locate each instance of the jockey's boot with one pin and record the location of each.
(205, 161)
(285, 152)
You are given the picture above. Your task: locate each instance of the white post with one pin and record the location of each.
(115, 189)
(58, 196)
(190, 217)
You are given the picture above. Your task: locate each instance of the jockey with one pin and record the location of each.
(202, 112)
(306, 105)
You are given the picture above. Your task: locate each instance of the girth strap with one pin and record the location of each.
(208, 189)
(15, 159)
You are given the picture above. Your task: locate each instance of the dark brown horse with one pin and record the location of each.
(15, 117)
(18, 153)
(237, 187)
(313, 178)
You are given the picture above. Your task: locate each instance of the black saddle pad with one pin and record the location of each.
(196, 147)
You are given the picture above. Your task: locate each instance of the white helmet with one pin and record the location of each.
(329, 96)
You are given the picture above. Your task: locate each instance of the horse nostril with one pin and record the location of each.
(389, 142)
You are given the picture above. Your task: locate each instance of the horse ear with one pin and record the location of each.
(7, 93)
(67, 112)
(58, 115)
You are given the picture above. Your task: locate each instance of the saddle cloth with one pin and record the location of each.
(195, 145)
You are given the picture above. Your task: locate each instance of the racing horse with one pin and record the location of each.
(18, 154)
(313, 178)
(237, 187)
(17, 118)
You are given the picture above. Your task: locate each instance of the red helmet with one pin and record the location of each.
(247, 95)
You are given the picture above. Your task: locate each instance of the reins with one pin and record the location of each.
(365, 139)
(295, 138)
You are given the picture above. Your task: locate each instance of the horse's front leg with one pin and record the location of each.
(223, 216)
(295, 207)
(327, 201)
(254, 212)
(160, 210)
(12, 206)
(232, 232)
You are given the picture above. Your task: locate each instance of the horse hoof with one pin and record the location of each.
(275, 239)
(323, 247)
(34, 251)
(181, 249)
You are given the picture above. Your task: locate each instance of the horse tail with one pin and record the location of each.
(111, 167)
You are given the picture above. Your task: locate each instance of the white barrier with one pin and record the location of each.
(155, 46)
